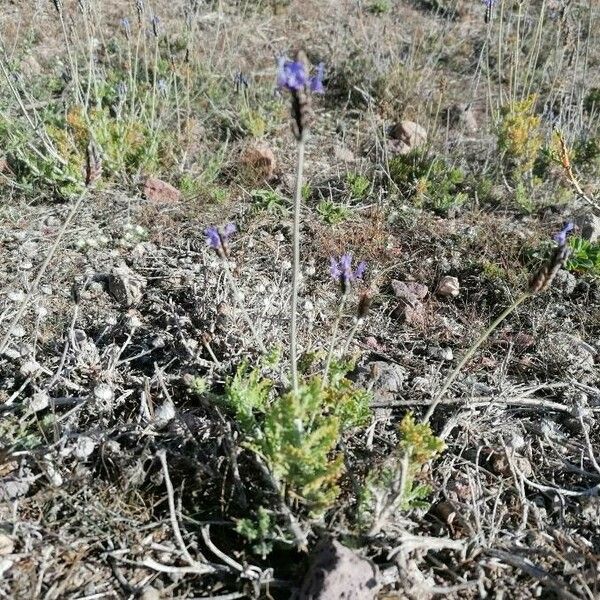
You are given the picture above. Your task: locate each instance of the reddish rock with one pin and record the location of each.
(258, 162)
(406, 136)
(410, 294)
(409, 289)
(157, 190)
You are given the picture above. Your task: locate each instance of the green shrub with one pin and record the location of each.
(429, 181)
(585, 256)
(395, 484)
(297, 435)
(332, 212)
(358, 186)
(519, 136)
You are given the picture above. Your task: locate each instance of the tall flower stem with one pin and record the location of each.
(465, 359)
(336, 326)
(296, 267)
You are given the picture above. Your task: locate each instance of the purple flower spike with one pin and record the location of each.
(316, 82)
(155, 22)
(213, 239)
(341, 271)
(561, 237)
(334, 269)
(291, 75)
(218, 239)
(126, 25)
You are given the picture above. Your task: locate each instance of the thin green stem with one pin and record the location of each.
(353, 331)
(336, 326)
(296, 267)
(484, 336)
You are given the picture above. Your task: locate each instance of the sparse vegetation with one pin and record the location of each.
(256, 300)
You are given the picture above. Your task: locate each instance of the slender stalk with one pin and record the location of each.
(296, 267)
(242, 309)
(353, 331)
(72, 63)
(465, 359)
(336, 326)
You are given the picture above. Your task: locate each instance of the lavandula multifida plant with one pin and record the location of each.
(341, 272)
(218, 239)
(539, 282)
(293, 76)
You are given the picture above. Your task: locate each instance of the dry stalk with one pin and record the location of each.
(565, 161)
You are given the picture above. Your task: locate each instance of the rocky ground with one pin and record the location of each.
(120, 478)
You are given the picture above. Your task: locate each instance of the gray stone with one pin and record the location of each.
(589, 227)
(448, 286)
(565, 282)
(440, 353)
(385, 379)
(338, 572)
(462, 116)
(126, 286)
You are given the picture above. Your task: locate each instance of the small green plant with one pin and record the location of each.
(306, 191)
(247, 393)
(269, 201)
(429, 181)
(261, 531)
(586, 154)
(358, 186)
(519, 136)
(585, 256)
(523, 198)
(380, 7)
(395, 484)
(331, 212)
(296, 434)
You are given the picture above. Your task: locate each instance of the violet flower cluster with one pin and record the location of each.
(342, 272)
(561, 237)
(218, 239)
(292, 76)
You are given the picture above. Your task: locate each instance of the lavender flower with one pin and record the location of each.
(126, 25)
(489, 5)
(291, 75)
(341, 271)
(561, 237)
(139, 7)
(218, 239)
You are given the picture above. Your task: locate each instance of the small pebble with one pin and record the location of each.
(39, 401)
